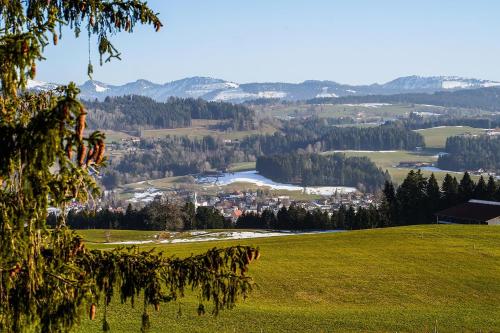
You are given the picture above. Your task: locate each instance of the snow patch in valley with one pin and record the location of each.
(237, 94)
(364, 151)
(369, 105)
(272, 94)
(259, 180)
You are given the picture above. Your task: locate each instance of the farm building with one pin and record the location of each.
(471, 212)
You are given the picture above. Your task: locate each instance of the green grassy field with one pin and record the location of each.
(409, 279)
(357, 111)
(200, 131)
(388, 161)
(436, 137)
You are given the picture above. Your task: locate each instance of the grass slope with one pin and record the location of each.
(407, 279)
(436, 137)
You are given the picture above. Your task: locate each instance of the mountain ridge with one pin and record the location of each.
(215, 89)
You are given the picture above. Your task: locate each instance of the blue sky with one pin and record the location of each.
(348, 41)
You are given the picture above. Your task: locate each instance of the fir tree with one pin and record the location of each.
(491, 188)
(433, 197)
(480, 190)
(466, 187)
(449, 189)
(48, 278)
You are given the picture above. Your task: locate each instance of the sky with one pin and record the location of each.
(348, 41)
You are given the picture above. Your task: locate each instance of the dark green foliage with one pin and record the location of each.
(157, 215)
(297, 218)
(449, 190)
(466, 187)
(415, 121)
(318, 170)
(134, 112)
(316, 135)
(471, 153)
(410, 196)
(433, 196)
(480, 191)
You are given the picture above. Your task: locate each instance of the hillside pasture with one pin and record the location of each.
(436, 137)
(429, 278)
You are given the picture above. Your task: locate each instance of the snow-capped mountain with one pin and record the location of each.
(40, 86)
(220, 90)
(433, 83)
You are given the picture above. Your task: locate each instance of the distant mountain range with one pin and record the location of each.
(220, 90)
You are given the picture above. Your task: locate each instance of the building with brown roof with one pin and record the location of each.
(471, 212)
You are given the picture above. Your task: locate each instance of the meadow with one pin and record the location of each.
(361, 112)
(428, 278)
(436, 137)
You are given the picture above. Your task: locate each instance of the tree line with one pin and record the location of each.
(471, 153)
(132, 112)
(415, 201)
(416, 121)
(319, 170)
(317, 135)
(157, 215)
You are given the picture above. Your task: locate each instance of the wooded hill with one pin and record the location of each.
(318, 170)
(316, 135)
(483, 98)
(471, 153)
(132, 112)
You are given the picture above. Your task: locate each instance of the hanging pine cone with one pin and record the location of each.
(69, 150)
(92, 312)
(90, 156)
(80, 126)
(100, 154)
(82, 152)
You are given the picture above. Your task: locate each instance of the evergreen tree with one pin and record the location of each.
(481, 190)
(491, 188)
(268, 219)
(433, 197)
(411, 198)
(389, 205)
(48, 278)
(466, 187)
(449, 190)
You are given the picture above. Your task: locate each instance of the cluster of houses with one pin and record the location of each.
(233, 205)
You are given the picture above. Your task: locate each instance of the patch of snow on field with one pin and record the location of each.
(272, 94)
(369, 105)
(253, 177)
(364, 151)
(146, 196)
(202, 236)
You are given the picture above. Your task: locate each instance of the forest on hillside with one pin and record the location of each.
(177, 156)
(471, 153)
(416, 121)
(316, 135)
(133, 112)
(483, 98)
(318, 170)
